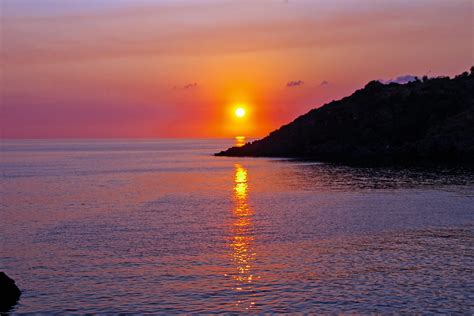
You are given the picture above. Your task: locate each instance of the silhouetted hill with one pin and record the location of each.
(424, 120)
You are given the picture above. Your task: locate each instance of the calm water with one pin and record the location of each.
(163, 226)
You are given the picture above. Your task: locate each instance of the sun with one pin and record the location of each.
(240, 112)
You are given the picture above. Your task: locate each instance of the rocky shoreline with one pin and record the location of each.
(9, 293)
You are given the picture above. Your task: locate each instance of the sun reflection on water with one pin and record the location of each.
(239, 141)
(243, 253)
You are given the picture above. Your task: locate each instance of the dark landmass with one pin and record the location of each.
(428, 120)
(9, 293)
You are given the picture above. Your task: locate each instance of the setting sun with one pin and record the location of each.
(240, 112)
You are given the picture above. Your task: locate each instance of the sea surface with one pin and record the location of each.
(163, 226)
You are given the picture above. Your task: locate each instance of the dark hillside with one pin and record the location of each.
(429, 120)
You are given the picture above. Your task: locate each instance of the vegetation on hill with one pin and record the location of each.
(424, 120)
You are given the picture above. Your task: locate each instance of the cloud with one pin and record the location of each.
(29, 34)
(295, 83)
(324, 83)
(187, 86)
(190, 85)
(400, 79)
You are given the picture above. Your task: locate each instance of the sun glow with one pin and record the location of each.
(240, 112)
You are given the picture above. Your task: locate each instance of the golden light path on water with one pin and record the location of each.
(243, 253)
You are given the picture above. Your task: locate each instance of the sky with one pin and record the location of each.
(176, 68)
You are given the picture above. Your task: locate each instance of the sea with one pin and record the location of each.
(163, 226)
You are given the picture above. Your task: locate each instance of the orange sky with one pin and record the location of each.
(144, 68)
